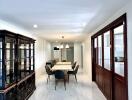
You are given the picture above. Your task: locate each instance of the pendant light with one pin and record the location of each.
(67, 46)
(61, 46)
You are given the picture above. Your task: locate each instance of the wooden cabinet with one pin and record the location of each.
(16, 66)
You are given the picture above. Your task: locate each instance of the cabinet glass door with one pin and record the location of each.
(32, 56)
(119, 50)
(0, 62)
(21, 60)
(10, 61)
(27, 58)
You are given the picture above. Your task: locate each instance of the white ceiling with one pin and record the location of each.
(59, 17)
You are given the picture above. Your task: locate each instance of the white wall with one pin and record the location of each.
(42, 47)
(47, 47)
(87, 58)
(87, 54)
(77, 53)
(42, 54)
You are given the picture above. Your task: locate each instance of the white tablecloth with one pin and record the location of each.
(63, 63)
(62, 67)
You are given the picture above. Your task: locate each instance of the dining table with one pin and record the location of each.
(63, 63)
(64, 66)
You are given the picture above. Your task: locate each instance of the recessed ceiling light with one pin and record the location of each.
(56, 41)
(35, 26)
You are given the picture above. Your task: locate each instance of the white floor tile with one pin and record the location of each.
(83, 90)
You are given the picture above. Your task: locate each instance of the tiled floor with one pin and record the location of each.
(83, 90)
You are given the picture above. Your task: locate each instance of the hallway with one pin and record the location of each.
(39, 38)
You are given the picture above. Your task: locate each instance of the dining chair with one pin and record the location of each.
(74, 72)
(49, 72)
(63, 60)
(59, 75)
(74, 65)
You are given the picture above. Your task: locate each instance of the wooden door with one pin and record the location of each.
(94, 59)
(107, 72)
(109, 60)
(119, 64)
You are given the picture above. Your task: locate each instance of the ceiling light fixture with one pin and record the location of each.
(57, 46)
(67, 46)
(63, 44)
(35, 26)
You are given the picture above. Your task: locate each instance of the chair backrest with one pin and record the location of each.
(74, 65)
(59, 74)
(54, 61)
(51, 63)
(63, 60)
(76, 69)
(47, 68)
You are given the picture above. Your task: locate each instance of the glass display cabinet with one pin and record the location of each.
(7, 59)
(25, 56)
(17, 75)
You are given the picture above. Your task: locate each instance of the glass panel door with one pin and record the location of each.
(100, 50)
(107, 50)
(119, 50)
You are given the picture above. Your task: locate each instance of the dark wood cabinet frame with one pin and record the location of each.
(104, 73)
(20, 88)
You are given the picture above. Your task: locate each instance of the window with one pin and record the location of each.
(95, 49)
(100, 50)
(119, 50)
(95, 43)
(107, 50)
